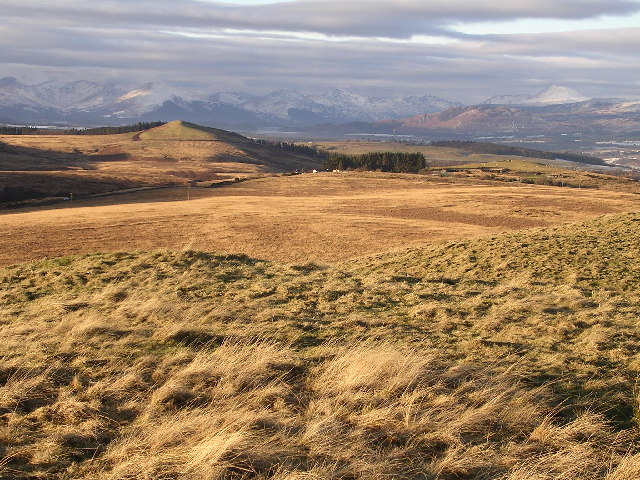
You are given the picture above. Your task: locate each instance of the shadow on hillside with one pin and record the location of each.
(19, 189)
(18, 158)
(34, 177)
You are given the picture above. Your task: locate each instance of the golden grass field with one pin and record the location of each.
(323, 217)
(344, 326)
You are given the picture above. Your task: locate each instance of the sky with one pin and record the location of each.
(456, 49)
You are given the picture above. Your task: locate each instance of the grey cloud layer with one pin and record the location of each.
(354, 17)
(148, 40)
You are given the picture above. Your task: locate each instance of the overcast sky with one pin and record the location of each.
(457, 49)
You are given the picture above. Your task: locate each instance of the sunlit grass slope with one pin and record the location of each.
(180, 130)
(506, 357)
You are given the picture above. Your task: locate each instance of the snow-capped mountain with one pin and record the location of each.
(283, 104)
(558, 94)
(236, 99)
(554, 95)
(340, 105)
(507, 100)
(149, 97)
(64, 96)
(75, 95)
(14, 92)
(347, 104)
(91, 103)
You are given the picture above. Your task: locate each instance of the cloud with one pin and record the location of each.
(403, 46)
(401, 18)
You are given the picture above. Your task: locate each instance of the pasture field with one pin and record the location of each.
(435, 156)
(510, 356)
(534, 172)
(506, 168)
(324, 217)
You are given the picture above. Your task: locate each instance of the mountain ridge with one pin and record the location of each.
(553, 95)
(83, 101)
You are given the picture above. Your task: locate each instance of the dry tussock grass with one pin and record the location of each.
(507, 357)
(260, 410)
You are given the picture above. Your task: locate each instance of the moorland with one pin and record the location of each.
(52, 167)
(476, 322)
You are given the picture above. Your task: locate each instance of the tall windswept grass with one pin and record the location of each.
(372, 410)
(262, 410)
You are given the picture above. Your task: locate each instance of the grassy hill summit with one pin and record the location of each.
(512, 356)
(181, 130)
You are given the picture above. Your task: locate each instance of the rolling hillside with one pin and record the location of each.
(40, 166)
(506, 357)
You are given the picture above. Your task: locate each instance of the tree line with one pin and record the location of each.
(136, 127)
(292, 147)
(497, 149)
(18, 130)
(397, 162)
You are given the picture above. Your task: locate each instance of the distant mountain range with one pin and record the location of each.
(81, 103)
